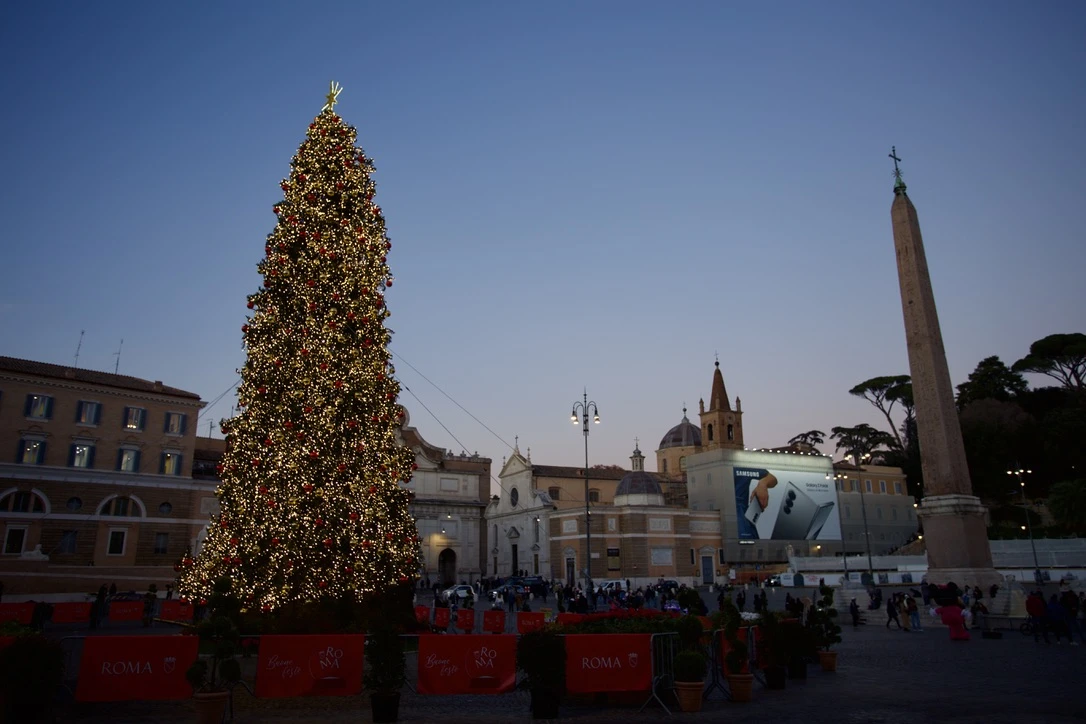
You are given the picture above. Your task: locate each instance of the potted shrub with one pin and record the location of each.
(386, 671)
(541, 655)
(211, 677)
(31, 669)
(776, 650)
(824, 629)
(690, 631)
(736, 661)
(690, 669)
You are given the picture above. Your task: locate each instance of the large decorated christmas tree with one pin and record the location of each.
(311, 505)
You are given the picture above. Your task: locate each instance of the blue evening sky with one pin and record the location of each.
(598, 194)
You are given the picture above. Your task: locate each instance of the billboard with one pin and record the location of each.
(785, 505)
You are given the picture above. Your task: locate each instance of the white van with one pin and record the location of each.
(613, 585)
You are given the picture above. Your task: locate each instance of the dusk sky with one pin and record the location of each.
(596, 194)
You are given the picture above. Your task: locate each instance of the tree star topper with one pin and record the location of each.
(334, 89)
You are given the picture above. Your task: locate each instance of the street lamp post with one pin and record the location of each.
(858, 460)
(837, 478)
(1029, 524)
(586, 407)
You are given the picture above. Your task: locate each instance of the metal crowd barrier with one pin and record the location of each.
(664, 646)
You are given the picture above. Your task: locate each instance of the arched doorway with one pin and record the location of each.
(446, 566)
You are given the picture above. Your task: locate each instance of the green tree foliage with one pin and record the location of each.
(882, 392)
(996, 434)
(860, 441)
(1059, 356)
(1067, 502)
(991, 380)
(811, 437)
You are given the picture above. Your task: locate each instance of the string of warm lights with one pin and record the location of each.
(311, 505)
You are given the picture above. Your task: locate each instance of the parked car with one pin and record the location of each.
(773, 581)
(460, 592)
(498, 594)
(533, 583)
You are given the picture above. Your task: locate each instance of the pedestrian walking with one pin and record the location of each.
(854, 611)
(914, 613)
(891, 613)
(1038, 614)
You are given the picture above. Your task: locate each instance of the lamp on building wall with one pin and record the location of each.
(585, 407)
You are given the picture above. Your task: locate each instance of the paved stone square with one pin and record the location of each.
(883, 676)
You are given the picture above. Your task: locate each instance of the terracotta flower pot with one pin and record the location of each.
(209, 706)
(741, 687)
(828, 659)
(689, 695)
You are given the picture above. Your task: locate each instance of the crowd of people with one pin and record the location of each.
(1064, 614)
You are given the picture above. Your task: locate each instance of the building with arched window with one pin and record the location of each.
(97, 485)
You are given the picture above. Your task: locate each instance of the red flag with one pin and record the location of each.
(125, 610)
(135, 668)
(321, 665)
(470, 664)
(21, 612)
(176, 611)
(529, 621)
(71, 612)
(608, 662)
(494, 621)
(465, 619)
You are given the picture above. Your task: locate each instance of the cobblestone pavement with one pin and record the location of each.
(883, 676)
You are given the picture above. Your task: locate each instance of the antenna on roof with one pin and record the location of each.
(79, 347)
(117, 354)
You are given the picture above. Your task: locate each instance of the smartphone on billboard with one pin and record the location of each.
(799, 515)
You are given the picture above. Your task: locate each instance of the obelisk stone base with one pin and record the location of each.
(956, 538)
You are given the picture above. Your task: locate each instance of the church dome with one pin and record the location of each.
(685, 434)
(638, 482)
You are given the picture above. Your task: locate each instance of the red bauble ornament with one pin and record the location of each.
(403, 579)
(305, 352)
(388, 244)
(265, 609)
(313, 454)
(308, 487)
(360, 447)
(310, 282)
(318, 522)
(352, 515)
(219, 468)
(352, 424)
(373, 489)
(263, 489)
(236, 560)
(256, 462)
(342, 467)
(275, 541)
(245, 328)
(177, 568)
(367, 544)
(339, 383)
(327, 542)
(312, 125)
(226, 559)
(299, 436)
(278, 363)
(322, 584)
(388, 536)
(348, 569)
(307, 409)
(302, 177)
(223, 523)
(203, 601)
(250, 305)
(391, 395)
(366, 342)
(288, 424)
(332, 325)
(271, 503)
(414, 466)
(233, 541)
(262, 390)
(350, 315)
(375, 419)
(268, 442)
(312, 306)
(388, 283)
(323, 366)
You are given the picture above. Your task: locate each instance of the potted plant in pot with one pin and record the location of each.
(541, 655)
(31, 669)
(690, 669)
(736, 660)
(212, 676)
(824, 629)
(386, 671)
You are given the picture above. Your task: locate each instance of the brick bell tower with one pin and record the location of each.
(721, 426)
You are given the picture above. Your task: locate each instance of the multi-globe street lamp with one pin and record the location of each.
(586, 408)
(1029, 524)
(858, 460)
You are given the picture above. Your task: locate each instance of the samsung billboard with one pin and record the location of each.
(785, 505)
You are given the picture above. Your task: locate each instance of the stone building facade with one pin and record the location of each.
(97, 485)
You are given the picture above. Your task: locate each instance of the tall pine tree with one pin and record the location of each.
(311, 506)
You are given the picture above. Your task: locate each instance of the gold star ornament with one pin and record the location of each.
(334, 89)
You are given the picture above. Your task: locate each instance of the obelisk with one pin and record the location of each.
(955, 521)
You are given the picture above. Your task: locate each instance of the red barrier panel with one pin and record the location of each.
(494, 621)
(322, 665)
(176, 611)
(565, 619)
(441, 617)
(71, 612)
(608, 662)
(470, 664)
(465, 619)
(21, 612)
(530, 621)
(422, 615)
(135, 668)
(125, 610)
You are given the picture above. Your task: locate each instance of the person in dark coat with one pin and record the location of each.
(891, 613)
(854, 611)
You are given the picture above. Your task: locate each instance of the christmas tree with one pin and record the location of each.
(310, 503)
